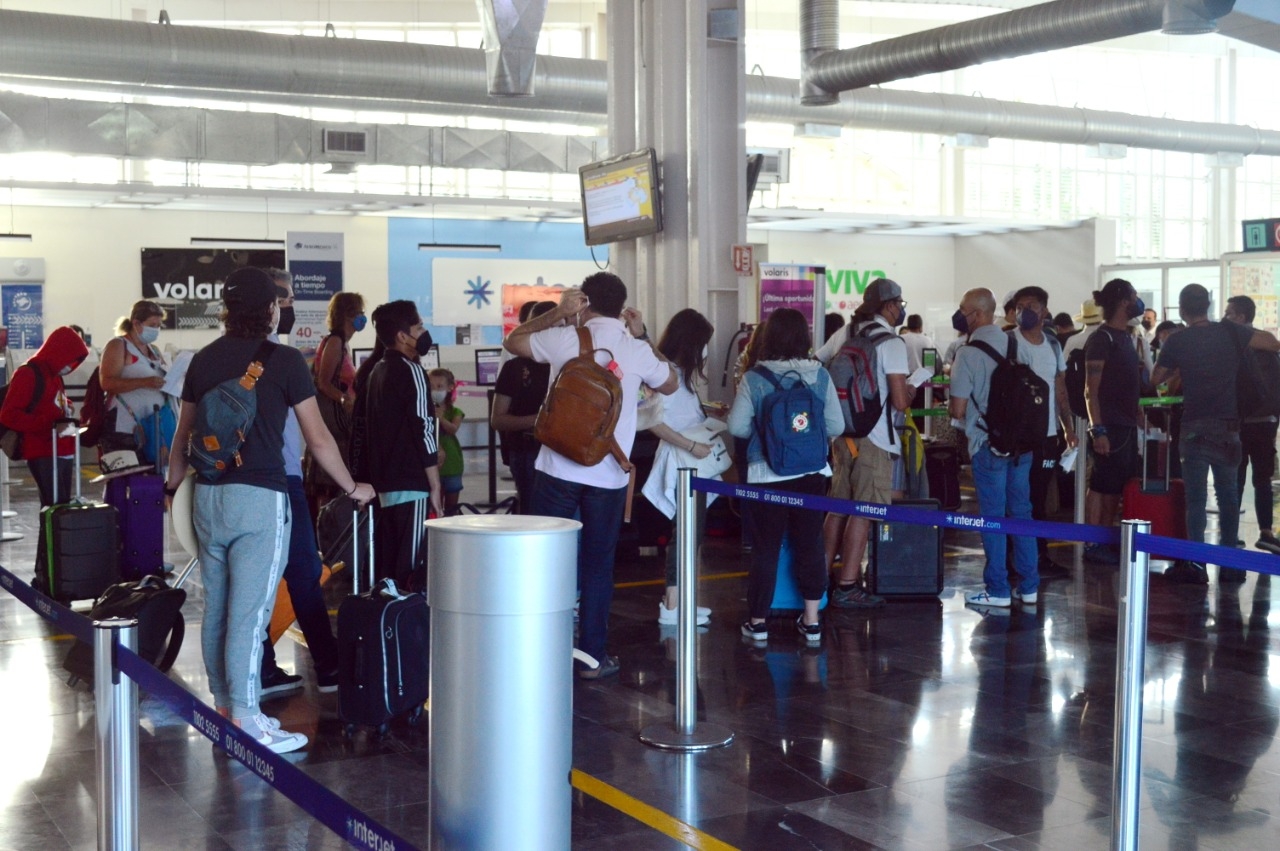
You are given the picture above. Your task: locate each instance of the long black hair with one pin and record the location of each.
(682, 343)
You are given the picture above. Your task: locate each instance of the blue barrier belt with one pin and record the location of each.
(320, 803)
(1209, 553)
(57, 614)
(920, 516)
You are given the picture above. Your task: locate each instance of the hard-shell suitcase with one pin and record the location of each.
(79, 546)
(906, 559)
(139, 500)
(942, 466)
(786, 595)
(1160, 500)
(383, 641)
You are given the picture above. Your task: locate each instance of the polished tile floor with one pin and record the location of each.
(921, 726)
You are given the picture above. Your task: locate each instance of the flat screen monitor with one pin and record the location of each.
(929, 360)
(488, 362)
(620, 198)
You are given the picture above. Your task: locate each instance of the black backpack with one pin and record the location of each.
(1075, 383)
(1257, 382)
(158, 609)
(1017, 416)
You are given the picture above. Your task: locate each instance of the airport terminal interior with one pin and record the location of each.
(1127, 139)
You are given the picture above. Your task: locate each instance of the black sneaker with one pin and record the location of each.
(1269, 542)
(326, 683)
(277, 681)
(1188, 573)
(607, 667)
(755, 631)
(812, 632)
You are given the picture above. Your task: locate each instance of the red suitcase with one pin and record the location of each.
(1162, 501)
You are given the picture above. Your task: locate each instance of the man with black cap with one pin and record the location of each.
(242, 517)
(402, 445)
(1206, 355)
(873, 472)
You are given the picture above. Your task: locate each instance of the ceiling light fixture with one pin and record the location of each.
(15, 237)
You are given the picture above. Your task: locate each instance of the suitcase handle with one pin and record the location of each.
(75, 457)
(355, 546)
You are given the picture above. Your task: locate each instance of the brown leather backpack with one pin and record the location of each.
(581, 411)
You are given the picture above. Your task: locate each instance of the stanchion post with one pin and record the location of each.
(1131, 612)
(116, 706)
(1082, 464)
(686, 734)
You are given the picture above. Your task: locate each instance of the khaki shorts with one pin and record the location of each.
(868, 478)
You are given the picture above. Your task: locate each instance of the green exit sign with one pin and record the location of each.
(1262, 234)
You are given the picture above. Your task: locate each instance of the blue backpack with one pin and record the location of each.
(224, 416)
(791, 426)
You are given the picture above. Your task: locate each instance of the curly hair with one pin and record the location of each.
(343, 306)
(249, 324)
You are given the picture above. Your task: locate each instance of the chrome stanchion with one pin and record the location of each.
(116, 705)
(1082, 463)
(686, 734)
(6, 513)
(1131, 611)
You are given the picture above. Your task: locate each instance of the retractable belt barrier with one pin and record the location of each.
(917, 516)
(358, 829)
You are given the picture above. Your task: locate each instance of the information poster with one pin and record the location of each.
(1259, 279)
(315, 263)
(23, 308)
(800, 288)
(187, 282)
(516, 296)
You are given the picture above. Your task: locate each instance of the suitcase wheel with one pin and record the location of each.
(383, 729)
(415, 715)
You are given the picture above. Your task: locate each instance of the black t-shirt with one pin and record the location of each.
(285, 382)
(1121, 375)
(524, 381)
(1208, 359)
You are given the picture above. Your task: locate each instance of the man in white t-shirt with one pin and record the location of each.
(869, 476)
(597, 494)
(917, 341)
(1039, 348)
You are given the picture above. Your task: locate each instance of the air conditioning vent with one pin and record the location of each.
(776, 167)
(346, 142)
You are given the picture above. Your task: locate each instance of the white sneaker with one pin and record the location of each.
(1026, 599)
(266, 731)
(667, 617)
(982, 598)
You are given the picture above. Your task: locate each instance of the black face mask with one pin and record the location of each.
(285, 325)
(424, 343)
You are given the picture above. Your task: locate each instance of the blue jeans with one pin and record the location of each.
(600, 510)
(302, 577)
(1004, 490)
(1204, 446)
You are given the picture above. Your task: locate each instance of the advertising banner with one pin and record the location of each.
(516, 296)
(315, 262)
(23, 308)
(471, 291)
(800, 288)
(187, 282)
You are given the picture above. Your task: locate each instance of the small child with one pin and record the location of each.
(443, 387)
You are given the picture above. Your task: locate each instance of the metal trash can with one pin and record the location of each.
(502, 591)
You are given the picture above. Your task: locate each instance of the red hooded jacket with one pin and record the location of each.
(63, 348)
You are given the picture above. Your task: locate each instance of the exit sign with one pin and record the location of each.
(1262, 235)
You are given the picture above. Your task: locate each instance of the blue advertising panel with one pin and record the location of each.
(24, 314)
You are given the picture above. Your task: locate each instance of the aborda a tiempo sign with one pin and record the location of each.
(187, 282)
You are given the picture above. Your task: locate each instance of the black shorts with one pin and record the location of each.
(1112, 472)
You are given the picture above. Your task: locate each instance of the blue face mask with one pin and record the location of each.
(1028, 318)
(1137, 309)
(359, 322)
(959, 323)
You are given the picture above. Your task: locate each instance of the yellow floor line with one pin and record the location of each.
(646, 814)
(643, 583)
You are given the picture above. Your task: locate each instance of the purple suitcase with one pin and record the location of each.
(140, 500)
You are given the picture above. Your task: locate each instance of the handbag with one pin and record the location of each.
(710, 432)
(158, 609)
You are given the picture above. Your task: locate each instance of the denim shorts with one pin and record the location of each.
(451, 484)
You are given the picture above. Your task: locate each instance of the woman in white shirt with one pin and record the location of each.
(133, 371)
(684, 344)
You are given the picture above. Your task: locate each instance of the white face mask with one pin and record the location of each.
(438, 396)
(149, 334)
(706, 350)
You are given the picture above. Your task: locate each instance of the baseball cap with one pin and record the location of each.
(248, 288)
(880, 291)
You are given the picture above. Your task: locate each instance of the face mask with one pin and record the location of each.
(959, 323)
(66, 370)
(438, 396)
(285, 324)
(1028, 318)
(423, 344)
(358, 323)
(1146, 325)
(706, 350)
(1137, 309)
(902, 317)
(149, 334)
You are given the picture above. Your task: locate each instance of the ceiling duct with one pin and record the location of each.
(1049, 26)
(356, 74)
(511, 30)
(819, 34)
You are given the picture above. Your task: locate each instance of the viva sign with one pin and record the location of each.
(846, 286)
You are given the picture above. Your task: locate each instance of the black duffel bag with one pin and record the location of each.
(161, 627)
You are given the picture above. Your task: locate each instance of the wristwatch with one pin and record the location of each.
(1097, 431)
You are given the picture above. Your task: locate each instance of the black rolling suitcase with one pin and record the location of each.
(942, 465)
(78, 552)
(383, 641)
(906, 559)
